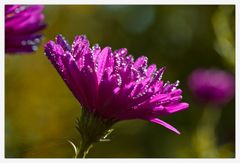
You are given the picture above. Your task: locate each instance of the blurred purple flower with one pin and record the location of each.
(113, 86)
(22, 24)
(212, 85)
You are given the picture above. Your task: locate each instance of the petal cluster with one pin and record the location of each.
(111, 84)
(212, 85)
(22, 26)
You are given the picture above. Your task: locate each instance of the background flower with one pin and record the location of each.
(22, 27)
(212, 86)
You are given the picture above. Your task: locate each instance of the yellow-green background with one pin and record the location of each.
(40, 110)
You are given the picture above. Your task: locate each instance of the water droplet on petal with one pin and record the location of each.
(123, 51)
(37, 40)
(19, 9)
(24, 42)
(83, 37)
(34, 48)
(177, 83)
(96, 46)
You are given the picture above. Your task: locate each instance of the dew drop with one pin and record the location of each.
(95, 47)
(19, 9)
(37, 40)
(177, 83)
(30, 42)
(123, 51)
(34, 48)
(83, 37)
(24, 43)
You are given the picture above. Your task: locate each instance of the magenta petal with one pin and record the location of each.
(158, 75)
(80, 46)
(168, 126)
(141, 62)
(121, 52)
(61, 41)
(176, 108)
(150, 70)
(102, 62)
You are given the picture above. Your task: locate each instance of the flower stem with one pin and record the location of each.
(205, 139)
(83, 150)
(92, 129)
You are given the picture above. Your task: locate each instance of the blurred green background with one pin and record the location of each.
(40, 110)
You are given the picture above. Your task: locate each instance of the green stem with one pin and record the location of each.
(92, 129)
(205, 138)
(83, 150)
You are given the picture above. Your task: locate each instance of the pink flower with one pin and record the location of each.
(213, 86)
(22, 27)
(111, 85)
